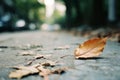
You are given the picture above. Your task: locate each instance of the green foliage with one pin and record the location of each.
(28, 9)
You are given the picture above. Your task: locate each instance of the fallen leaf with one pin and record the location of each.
(19, 74)
(44, 72)
(90, 48)
(23, 71)
(42, 69)
(49, 63)
(59, 70)
(29, 68)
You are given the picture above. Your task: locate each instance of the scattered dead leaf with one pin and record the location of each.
(44, 72)
(37, 68)
(44, 69)
(59, 70)
(23, 71)
(19, 74)
(49, 63)
(90, 48)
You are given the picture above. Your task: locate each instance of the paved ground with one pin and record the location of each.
(105, 68)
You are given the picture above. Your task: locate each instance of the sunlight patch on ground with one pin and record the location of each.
(48, 27)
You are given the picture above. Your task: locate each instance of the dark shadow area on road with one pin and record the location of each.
(92, 58)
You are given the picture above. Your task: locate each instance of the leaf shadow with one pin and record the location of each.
(30, 75)
(91, 58)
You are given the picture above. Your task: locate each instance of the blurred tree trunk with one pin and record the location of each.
(78, 18)
(72, 20)
(98, 14)
(88, 12)
(68, 4)
(117, 4)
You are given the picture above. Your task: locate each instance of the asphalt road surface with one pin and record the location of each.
(49, 43)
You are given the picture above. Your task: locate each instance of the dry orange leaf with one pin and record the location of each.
(44, 72)
(23, 71)
(19, 74)
(90, 48)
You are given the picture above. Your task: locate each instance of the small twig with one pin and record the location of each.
(65, 56)
(30, 62)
